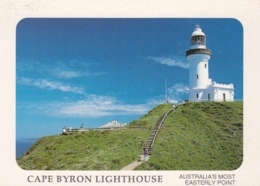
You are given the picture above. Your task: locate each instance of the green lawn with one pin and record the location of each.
(196, 136)
(200, 136)
(95, 150)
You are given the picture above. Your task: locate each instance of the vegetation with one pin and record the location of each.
(196, 136)
(152, 116)
(200, 136)
(94, 150)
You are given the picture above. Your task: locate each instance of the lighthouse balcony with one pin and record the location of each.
(198, 51)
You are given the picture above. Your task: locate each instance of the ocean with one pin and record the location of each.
(22, 145)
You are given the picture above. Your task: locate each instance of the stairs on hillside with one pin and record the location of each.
(148, 144)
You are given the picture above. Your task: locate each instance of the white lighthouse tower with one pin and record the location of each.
(201, 87)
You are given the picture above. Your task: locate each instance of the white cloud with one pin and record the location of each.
(23, 66)
(97, 106)
(178, 91)
(156, 100)
(57, 69)
(170, 61)
(174, 93)
(51, 85)
(93, 106)
(65, 73)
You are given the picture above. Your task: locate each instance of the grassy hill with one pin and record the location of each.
(152, 116)
(200, 136)
(196, 136)
(94, 150)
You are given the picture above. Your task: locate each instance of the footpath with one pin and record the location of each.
(135, 164)
(150, 140)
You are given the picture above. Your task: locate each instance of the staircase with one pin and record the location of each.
(150, 140)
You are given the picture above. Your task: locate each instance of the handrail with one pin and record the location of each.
(159, 127)
(214, 100)
(105, 128)
(165, 115)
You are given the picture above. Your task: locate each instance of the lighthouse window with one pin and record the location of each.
(205, 65)
(197, 76)
(197, 95)
(198, 40)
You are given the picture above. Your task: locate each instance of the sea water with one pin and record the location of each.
(22, 145)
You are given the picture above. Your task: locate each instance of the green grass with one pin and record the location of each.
(196, 136)
(152, 116)
(200, 136)
(94, 150)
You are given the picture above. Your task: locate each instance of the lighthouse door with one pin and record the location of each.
(224, 97)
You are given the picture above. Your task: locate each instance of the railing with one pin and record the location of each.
(214, 100)
(150, 145)
(165, 115)
(198, 51)
(160, 125)
(105, 128)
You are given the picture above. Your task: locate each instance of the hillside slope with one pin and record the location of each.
(196, 136)
(200, 136)
(95, 150)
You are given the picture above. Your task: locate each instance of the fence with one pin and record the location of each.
(106, 128)
(215, 100)
(159, 128)
(162, 121)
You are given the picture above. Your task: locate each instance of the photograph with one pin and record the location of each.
(129, 94)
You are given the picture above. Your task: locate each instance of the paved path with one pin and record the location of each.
(135, 164)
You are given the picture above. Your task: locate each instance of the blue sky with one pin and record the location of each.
(91, 71)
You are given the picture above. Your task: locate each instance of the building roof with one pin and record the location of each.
(113, 124)
(197, 32)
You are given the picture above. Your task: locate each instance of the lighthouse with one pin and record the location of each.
(201, 88)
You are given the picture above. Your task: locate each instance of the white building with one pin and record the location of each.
(113, 124)
(201, 88)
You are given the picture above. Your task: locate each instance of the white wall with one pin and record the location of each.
(229, 94)
(215, 94)
(198, 70)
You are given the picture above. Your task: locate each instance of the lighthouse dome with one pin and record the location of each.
(197, 32)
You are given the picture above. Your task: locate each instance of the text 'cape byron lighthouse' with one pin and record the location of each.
(201, 88)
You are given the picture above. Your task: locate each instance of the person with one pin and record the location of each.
(81, 126)
(64, 131)
(145, 154)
